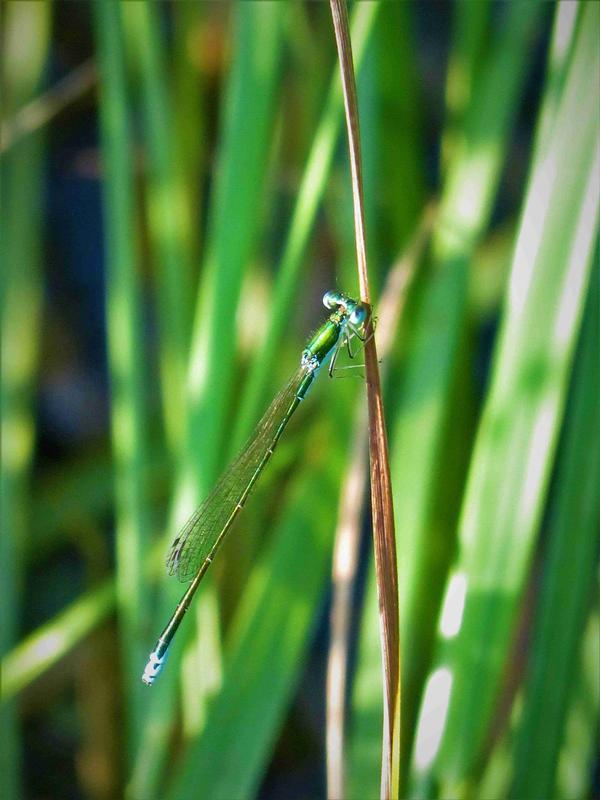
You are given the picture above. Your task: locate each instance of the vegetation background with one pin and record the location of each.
(175, 201)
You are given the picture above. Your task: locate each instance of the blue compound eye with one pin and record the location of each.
(358, 316)
(332, 300)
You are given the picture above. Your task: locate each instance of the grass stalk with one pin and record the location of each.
(382, 510)
(168, 214)
(514, 449)
(268, 638)
(247, 119)
(53, 641)
(310, 193)
(25, 42)
(126, 363)
(571, 562)
(351, 510)
(434, 390)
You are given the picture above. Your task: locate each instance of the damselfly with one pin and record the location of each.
(194, 548)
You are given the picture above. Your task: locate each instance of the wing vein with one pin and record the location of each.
(205, 529)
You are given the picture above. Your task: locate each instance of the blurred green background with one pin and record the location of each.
(175, 201)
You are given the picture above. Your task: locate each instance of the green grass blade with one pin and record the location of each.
(470, 29)
(169, 222)
(364, 748)
(234, 216)
(25, 42)
(126, 363)
(566, 20)
(579, 751)
(264, 654)
(571, 563)
(191, 112)
(309, 196)
(247, 121)
(515, 443)
(427, 461)
(395, 202)
(53, 640)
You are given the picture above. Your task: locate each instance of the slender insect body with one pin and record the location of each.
(194, 548)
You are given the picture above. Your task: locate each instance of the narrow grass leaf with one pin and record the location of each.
(266, 645)
(571, 563)
(52, 641)
(579, 751)
(168, 214)
(190, 112)
(382, 511)
(470, 31)
(426, 450)
(25, 43)
(514, 449)
(310, 193)
(129, 419)
(399, 193)
(248, 116)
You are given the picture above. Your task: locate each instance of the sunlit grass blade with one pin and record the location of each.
(191, 112)
(395, 183)
(233, 228)
(248, 115)
(431, 431)
(168, 213)
(129, 413)
(470, 30)
(267, 640)
(347, 536)
(41, 109)
(310, 193)
(579, 751)
(52, 641)
(25, 42)
(571, 565)
(515, 443)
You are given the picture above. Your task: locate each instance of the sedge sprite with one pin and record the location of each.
(194, 548)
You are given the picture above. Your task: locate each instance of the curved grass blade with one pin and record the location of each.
(245, 137)
(514, 448)
(25, 41)
(129, 384)
(571, 564)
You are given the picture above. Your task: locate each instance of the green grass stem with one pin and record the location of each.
(25, 43)
(126, 363)
(434, 393)
(571, 565)
(514, 449)
(312, 186)
(247, 119)
(168, 212)
(51, 642)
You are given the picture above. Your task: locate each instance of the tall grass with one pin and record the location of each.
(25, 42)
(226, 214)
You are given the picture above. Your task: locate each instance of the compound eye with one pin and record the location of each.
(332, 299)
(358, 317)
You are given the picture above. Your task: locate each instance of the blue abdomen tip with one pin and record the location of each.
(152, 668)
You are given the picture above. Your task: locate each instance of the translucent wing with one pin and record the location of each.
(203, 532)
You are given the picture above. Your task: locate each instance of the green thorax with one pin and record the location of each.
(322, 344)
